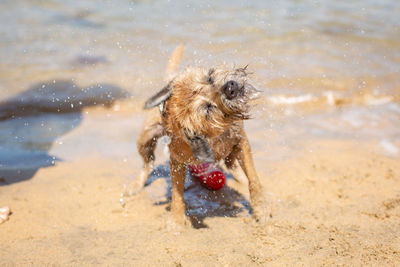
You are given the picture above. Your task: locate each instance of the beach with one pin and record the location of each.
(325, 133)
(333, 203)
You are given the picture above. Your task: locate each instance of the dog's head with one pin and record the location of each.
(207, 101)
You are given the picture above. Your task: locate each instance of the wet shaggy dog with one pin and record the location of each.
(202, 112)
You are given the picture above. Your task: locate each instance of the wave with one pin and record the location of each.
(330, 98)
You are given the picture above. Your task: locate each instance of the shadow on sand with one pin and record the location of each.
(200, 201)
(33, 120)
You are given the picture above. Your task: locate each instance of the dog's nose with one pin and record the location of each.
(231, 89)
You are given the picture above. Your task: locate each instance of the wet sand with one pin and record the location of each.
(334, 202)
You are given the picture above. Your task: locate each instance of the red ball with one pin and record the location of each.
(209, 176)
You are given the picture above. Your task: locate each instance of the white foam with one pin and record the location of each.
(374, 101)
(330, 98)
(290, 100)
(389, 147)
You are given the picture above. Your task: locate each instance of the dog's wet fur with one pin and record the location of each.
(202, 111)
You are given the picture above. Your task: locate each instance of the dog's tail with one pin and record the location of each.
(170, 72)
(173, 62)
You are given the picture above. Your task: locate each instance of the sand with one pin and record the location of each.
(334, 202)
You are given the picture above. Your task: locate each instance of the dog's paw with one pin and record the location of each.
(132, 189)
(262, 212)
(176, 225)
(138, 184)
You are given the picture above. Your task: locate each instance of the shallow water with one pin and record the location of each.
(328, 69)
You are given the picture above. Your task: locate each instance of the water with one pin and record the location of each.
(279, 39)
(333, 64)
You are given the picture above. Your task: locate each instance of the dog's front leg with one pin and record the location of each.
(245, 158)
(178, 171)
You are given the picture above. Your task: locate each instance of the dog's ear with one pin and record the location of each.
(159, 98)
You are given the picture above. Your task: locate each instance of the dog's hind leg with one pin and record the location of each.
(231, 164)
(146, 145)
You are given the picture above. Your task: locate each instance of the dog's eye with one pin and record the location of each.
(208, 108)
(231, 89)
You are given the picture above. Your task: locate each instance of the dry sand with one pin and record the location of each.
(334, 202)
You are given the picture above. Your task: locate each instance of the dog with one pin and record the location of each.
(202, 112)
